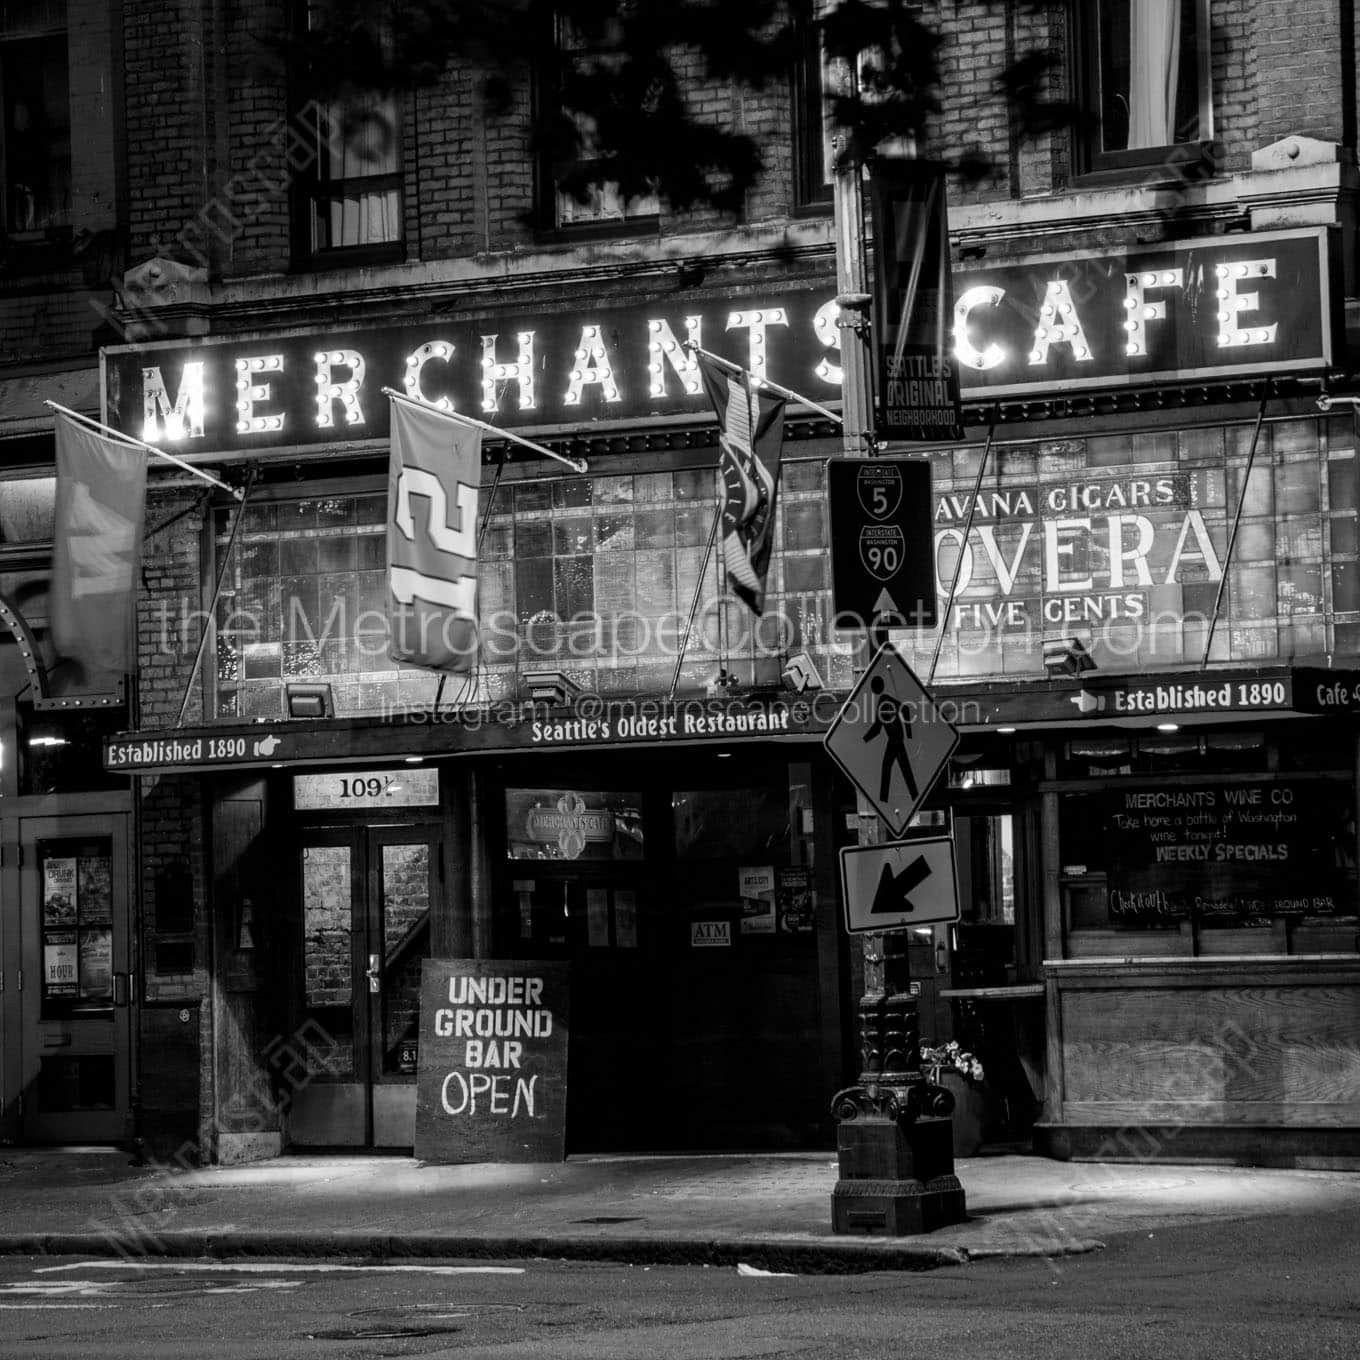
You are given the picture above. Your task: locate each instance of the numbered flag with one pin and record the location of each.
(751, 442)
(96, 549)
(433, 476)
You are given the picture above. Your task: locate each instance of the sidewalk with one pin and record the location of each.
(769, 1211)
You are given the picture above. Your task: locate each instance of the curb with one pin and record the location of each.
(851, 1256)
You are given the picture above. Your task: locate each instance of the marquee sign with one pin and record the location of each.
(1227, 306)
(1216, 308)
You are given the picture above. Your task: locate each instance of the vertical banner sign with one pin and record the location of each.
(491, 1075)
(433, 476)
(916, 380)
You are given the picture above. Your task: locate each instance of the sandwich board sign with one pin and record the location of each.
(491, 1062)
(904, 883)
(890, 739)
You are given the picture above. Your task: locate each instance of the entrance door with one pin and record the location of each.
(599, 918)
(70, 1070)
(366, 894)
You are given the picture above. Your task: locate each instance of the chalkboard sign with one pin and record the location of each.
(491, 1077)
(1222, 853)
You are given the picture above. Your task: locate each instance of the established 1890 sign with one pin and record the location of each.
(491, 1083)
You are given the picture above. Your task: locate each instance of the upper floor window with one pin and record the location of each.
(35, 152)
(349, 192)
(814, 151)
(585, 60)
(1145, 80)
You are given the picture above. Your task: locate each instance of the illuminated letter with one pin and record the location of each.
(1139, 310)
(248, 392)
(494, 371)
(328, 391)
(1059, 324)
(1231, 304)
(1138, 555)
(187, 413)
(757, 323)
(1053, 549)
(828, 332)
(663, 348)
(592, 366)
(415, 365)
(984, 295)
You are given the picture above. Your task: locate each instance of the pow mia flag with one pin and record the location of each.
(432, 483)
(916, 378)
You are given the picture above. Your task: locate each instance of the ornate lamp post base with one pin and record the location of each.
(894, 1136)
(896, 1178)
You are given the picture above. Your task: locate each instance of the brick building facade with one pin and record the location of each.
(251, 1024)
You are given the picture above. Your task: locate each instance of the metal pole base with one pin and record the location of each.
(896, 1178)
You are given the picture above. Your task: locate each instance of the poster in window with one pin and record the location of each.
(757, 899)
(96, 964)
(597, 917)
(59, 891)
(625, 918)
(59, 963)
(95, 882)
(795, 902)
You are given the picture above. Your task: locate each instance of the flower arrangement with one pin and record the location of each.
(950, 1055)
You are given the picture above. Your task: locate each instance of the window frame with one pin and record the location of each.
(37, 34)
(813, 152)
(311, 193)
(549, 197)
(1178, 160)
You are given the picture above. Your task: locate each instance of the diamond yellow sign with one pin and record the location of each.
(891, 739)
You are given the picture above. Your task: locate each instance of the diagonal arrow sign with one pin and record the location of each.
(894, 889)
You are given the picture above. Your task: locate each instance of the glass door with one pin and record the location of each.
(74, 1050)
(403, 883)
(366, 895)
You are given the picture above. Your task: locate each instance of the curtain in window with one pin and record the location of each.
(362, 144)
(1154, 70)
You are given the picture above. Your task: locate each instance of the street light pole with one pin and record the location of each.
(894, 1137)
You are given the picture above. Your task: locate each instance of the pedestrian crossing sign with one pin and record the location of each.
(891, 739)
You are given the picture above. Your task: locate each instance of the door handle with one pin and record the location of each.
(373, 975)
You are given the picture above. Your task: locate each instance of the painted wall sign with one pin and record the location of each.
(1238, 304)
(1046, 552)
(491, 1064)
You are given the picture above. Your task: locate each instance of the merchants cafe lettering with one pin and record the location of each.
(1226, 306)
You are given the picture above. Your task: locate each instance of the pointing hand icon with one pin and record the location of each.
(266, 746)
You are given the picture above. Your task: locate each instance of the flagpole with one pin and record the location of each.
(764, 382)
(132, 442)
(576, 464)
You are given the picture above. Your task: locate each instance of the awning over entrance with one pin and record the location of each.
(594, 723)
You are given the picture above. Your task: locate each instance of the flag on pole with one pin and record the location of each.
(751, 442)
(96, 549)
(433, 476)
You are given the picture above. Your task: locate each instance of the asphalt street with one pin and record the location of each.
(1273, 1287)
